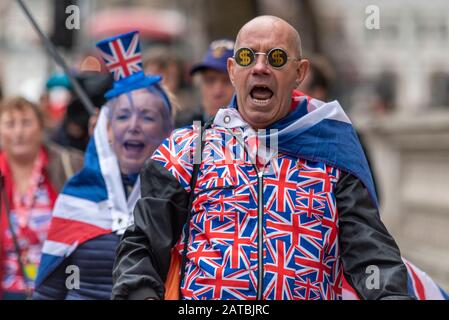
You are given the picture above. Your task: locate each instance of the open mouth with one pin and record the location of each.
(134, 146)
(261, 94)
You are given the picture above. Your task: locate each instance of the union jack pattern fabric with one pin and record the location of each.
(122, 55)
(300, 252)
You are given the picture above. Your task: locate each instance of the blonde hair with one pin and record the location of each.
(174, 102)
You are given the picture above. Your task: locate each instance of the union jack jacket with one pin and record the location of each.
(264, 225)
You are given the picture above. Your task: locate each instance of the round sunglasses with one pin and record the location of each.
(277, 57)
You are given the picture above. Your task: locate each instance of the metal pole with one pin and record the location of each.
(59, 60)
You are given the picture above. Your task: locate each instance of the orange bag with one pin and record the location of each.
(172, 282)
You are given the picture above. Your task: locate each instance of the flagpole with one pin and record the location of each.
(87, 103)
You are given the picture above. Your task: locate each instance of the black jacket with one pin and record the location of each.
(143, 256)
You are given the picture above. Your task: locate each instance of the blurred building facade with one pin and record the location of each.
(23, 62)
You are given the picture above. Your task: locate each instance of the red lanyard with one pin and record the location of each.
(23, 204)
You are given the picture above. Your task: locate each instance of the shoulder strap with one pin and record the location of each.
(196, 168)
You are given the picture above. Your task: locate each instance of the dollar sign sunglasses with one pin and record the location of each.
(277, 57)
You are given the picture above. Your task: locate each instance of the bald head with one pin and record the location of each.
(271, 24)
(264, 91)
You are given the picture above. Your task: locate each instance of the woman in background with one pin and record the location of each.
(33, 173)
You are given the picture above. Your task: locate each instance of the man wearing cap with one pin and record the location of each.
(212, 77)
(276, 202)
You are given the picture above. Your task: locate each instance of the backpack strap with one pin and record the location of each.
(197, 158)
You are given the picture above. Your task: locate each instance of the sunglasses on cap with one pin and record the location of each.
(277, 57)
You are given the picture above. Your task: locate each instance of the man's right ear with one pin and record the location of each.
(303, 68)
(231, 68)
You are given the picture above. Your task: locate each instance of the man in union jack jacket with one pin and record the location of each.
(279, 203)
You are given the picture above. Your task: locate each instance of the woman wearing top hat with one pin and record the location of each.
(96, 205)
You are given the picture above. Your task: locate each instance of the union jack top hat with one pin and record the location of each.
(123, 59)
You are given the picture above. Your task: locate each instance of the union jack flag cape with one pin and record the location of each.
(322, 132)
(92, 203)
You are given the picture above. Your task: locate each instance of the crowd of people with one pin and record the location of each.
(125, 196)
